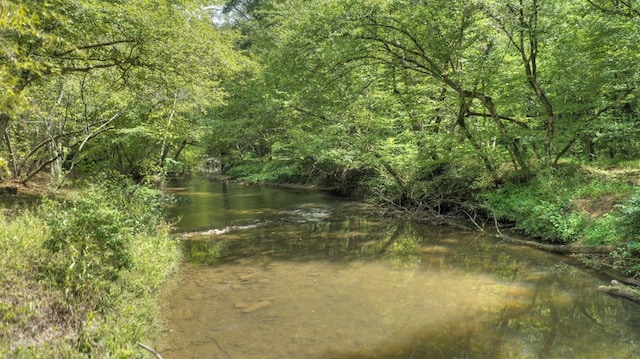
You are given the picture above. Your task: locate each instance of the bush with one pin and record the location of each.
(92, 235)
(536, 212)
(82, 275)
(627, 259)
(543, 207)
(570, 205)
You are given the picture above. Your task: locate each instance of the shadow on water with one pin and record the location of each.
(315, 281)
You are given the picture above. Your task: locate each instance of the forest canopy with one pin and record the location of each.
(402, 86)
(118, 86)
(339, 90)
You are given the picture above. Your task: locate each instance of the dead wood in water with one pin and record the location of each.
(561, 248)
(618, 289)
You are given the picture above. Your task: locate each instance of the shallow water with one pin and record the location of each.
(275, 273)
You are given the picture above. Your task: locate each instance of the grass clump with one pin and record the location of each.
(81, 275)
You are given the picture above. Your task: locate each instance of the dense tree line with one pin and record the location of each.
(400, 90)
(507, 111)
(393, 92)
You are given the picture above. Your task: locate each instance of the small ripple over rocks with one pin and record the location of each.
(300, 215)
(216, 231)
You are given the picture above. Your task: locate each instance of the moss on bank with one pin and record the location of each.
(81, 275)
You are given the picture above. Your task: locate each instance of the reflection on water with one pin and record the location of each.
(319, 280)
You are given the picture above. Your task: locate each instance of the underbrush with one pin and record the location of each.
(81, 275)
(576, 205)
(330, 176)
(443, 189)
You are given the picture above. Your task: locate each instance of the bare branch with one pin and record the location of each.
(102, 128)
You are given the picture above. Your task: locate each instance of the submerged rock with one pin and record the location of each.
(256, 306)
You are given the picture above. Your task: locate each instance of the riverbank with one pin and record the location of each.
(75, 262)
(581, 206)
(574, 204)
(82, 271)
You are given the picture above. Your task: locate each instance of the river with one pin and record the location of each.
(289, 273)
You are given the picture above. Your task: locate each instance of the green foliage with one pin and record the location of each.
(603, 231)
(626, 222)
(21, 244)
(629, 221)
(92, 235)
(272, 171)
(132, 313)
(4, 169)
(376, 83)
(569, 204)
(537, 212)
(627, 259)
(122, 85)
(107, 307)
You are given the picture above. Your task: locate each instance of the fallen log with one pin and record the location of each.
(618, 289)
(561, 248)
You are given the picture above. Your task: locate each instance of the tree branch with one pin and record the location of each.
(94, 46)
(93, 134)
(506, 118)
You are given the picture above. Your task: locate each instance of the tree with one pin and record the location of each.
(409, 88)
(134, 65)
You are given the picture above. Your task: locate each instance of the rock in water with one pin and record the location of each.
(256, 306)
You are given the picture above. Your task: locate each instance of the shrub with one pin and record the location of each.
(627, 259)
(541, 207)
(82, 275)
(91, 234)
(630, 218)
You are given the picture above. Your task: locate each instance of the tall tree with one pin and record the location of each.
(379, 84)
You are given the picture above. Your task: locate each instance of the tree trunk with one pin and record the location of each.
(179, 150)
(396, 177)
(462, 113)
(4, 123)
(165, 141)
(512, 147)
(13, 166)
